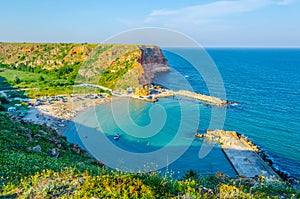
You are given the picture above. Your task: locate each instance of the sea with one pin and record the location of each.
(264, 83)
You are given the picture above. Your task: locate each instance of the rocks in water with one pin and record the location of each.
(199, 135)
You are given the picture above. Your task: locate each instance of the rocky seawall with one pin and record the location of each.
(236, 144)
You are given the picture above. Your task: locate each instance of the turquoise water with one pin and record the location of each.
(165, 129)
(264, 82)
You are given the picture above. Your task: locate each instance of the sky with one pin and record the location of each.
(228, 23)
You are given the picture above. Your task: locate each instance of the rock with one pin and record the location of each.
(76, 150)
(43, 132)
(199, 135)
(36, 148)
(37, 136)
(205, 191)
(53, 152)
(242, 176)
(29, 138)
(152, 61)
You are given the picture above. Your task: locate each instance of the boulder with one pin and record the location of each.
(36, 148)
(53, 152)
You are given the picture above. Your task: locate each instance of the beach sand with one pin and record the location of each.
(57, 114)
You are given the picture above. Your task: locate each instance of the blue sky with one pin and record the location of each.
(211, 23)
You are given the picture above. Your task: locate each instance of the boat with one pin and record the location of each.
(116, 137)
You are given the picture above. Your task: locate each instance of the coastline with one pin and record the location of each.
(75, 105)
(58, 114)
(235, 144)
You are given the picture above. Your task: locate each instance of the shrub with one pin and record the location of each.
(17, 80)
(3, 99)
(2, 108)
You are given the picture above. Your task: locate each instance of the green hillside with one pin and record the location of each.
(35, 162)
(48, 68)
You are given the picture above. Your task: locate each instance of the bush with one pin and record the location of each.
(41, 78)
(2, 108)
(17, 80)
(3, 99)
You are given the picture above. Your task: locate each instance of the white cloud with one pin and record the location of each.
(200, 14)
(215, 22)
(210, 10)
(285, 2)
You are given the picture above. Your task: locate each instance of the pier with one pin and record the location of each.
(241, 153)
(204, 98)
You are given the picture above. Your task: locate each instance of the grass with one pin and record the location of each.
(74, 174)
(28, 79)
(52, 69)
(16, 156)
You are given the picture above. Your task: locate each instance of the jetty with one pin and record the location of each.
(145, 98)
(204, 98)
(241, 153)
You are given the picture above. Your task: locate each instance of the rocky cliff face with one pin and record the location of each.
(123, 66)
(152, 61)
(116, 66)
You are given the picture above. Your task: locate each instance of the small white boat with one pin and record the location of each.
(116, 137)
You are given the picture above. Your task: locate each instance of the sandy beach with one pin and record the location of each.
(56, 112)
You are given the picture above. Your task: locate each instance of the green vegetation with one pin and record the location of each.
(27, 171)
(44, 68)
(36, 162)
(3, 100)
(113, 74)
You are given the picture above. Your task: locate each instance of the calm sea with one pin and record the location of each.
(264, 82)
(266, 85)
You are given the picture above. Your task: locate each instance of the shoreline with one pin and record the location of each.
(76, 104)
(58, 113)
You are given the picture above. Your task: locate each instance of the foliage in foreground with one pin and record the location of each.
(36, 174)
(70, 183)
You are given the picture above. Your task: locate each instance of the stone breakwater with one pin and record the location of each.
(245, 157)
(204, 98)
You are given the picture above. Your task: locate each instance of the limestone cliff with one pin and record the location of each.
(116, 66)
(152, 61)
(124, 66)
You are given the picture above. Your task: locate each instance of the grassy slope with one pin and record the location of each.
(28, 174)
(50, 67)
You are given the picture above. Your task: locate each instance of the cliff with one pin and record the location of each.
(116, 66)
(123, 66)
(152, 61)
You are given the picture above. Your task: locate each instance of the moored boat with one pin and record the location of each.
(116, 137)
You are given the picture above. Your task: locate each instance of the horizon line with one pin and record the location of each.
(203, 46)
